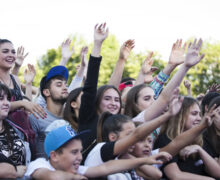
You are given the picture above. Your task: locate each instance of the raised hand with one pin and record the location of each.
(149, 76)
(83, 55)
(192, 55)
(100, 33)
(208, 116)
(177, 53)
(187, 84)
(214, 88)
(20, 56)
(126, 49)
(175, 103)
(66, 52)
(29, 74)
(147, 64)
(77, 68)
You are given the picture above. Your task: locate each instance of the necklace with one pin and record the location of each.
(5, 82)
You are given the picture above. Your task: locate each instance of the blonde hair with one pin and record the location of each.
(176, 125)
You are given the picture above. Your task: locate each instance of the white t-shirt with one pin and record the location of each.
(94, 157)
(43, 163)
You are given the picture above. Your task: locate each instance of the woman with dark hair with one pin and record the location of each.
(192, 168)
(7, 60)
(139, 98)
(108, 99)
(117, 134)
(71, 110)
(93, 102)
(13, 149)
(212, 136)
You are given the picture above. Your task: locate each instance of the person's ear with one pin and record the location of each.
(112, 136)
(46, 92)
(73, 104)
(53, 156)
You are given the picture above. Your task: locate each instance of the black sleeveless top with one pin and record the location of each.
(16, 92)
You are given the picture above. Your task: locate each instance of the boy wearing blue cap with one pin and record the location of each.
(54, 90)
(63, 147)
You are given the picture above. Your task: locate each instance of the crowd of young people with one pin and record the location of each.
(126, 129)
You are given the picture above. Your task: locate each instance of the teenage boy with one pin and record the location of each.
(63, 147)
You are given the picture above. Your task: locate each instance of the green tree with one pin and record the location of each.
(207, 72)
(201, 76)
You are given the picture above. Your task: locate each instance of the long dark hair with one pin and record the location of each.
(4, 90)
(214, 138)
(69, 113)
(100, 92)
(131, 108)
(2, 41)
(108, 123)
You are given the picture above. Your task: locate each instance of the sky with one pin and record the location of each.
(39, 25)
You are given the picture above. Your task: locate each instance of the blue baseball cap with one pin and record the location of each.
(59, 136)
(57, 71)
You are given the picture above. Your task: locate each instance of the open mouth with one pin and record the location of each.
(146, 152)
(11, 60)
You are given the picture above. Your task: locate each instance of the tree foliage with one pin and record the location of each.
(201, 76)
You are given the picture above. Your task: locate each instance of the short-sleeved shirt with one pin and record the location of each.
(43, 163)
(39, 126)
(101, 153)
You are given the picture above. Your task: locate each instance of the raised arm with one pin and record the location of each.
(19, 60)
(66, 52)
(176, 58)
(145, 129)
(191, 59)
(119, 68)
(78, 79)
(187, 84)
(145, 69)
(29, 75)
(186, 137)
(87, 110)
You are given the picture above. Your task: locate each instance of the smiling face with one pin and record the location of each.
(143, 147)
(110, 102)
(194, 117)
(7, 55)
(70, 157)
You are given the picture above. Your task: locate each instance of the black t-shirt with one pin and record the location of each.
(107, 151)
(208, 147)
(191, 165)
